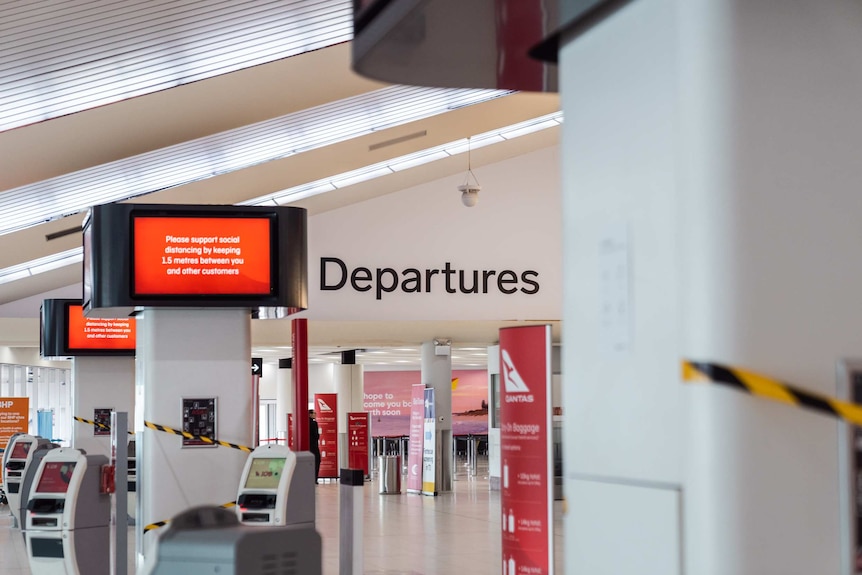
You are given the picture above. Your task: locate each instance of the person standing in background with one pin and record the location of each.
(313, 441)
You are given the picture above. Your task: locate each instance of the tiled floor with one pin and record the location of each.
(457, 532)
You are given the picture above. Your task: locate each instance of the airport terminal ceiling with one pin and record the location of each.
(134, 106)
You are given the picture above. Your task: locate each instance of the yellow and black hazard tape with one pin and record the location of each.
(773, 389)
(204, 438)
(158, 524)
(104, 426)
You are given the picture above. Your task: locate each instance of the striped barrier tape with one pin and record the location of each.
(158, 524)
(104, 426)
(205, 439)
(772, 389)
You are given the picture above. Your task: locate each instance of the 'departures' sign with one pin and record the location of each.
(526, 450)
(14, 417)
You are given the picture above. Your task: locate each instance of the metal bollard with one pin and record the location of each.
(350, 530)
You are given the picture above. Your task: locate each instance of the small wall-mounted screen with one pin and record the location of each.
(56, 476)
(264, 473)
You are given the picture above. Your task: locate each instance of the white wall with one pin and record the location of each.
(516, 226)
(725, 137)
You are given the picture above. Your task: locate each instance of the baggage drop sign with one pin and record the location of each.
(526, 451)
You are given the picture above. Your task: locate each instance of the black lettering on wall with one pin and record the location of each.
(360, 275)
(474, 288)
(323, 285)
(393, 281)
(485, 275)
(412, 281)
(448, 271)
(526, 280)
(507, 277)
(428, 274)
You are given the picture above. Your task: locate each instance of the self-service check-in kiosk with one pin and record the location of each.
(277, 487)
(37, 453)
(68, 516)
(21, 450)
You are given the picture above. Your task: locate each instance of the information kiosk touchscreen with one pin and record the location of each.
(68, 516)
(21, 450)
(264, 486)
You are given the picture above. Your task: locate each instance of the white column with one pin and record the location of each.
(437, 373)
(347, 379)
(100, 382)
(190, 353)
(723, 138)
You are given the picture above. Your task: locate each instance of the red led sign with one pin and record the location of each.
(177, 256)
(98, 333)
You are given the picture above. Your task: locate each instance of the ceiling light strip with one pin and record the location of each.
(222, 153)
(41, 265)
(321, 186)
(81, 55)
(428, 155)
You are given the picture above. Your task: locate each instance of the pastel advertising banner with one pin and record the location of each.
(416, 445)
(429, 448)
(526, 450)
(14, 417)
(358, 433)
(326, 412)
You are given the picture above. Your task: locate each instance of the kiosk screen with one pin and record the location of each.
(265, 473)
(56, 476)
(20, 451)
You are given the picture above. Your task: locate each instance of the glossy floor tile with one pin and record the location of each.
(457, 532)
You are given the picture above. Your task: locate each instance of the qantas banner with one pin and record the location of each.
(358, 433)
(326, 412)
(417, 425)
(526, 450)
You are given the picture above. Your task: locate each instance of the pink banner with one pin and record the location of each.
(417, 426)
(357, 441)
(525, 448)
(326, 412)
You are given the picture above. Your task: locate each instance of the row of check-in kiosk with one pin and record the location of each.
(60, 499)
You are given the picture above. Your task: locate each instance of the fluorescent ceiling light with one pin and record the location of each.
(402, 162)
(41, 265)
(67, 57)
(226, 152)
(355, 178)
(529, 129)
(307, 190)
(417, 160)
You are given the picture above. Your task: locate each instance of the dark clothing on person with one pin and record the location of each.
(313, 447)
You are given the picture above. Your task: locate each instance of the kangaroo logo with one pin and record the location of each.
(513, 383)
(321, 405)
(513, 380)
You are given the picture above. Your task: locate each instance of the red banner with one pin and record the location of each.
(526, 450)
(290, 444)
(357, 441)
(326, 413)
(417, 426)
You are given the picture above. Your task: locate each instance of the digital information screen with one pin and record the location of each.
(182, 256)
(56, 476)
(20, 450)
(264, 473)
(87, 334)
